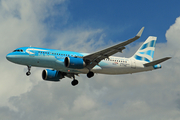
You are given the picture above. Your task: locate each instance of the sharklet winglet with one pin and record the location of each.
(140, 32)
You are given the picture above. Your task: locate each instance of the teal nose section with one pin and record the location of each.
(10, 57)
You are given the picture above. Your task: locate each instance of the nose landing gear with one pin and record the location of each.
(29, 69)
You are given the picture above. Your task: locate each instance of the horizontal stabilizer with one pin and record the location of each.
(156, 62)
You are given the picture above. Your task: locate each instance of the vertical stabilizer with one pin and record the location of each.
(146, 51)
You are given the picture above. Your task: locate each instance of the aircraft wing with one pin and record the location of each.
(93, 59)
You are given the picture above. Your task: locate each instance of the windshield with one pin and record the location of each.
(18, 50)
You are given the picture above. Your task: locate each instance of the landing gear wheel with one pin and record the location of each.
(28, 73)
(29, 69)
(74, 82)
(90, 74)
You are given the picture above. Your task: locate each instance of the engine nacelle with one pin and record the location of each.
(74, 62)
(51, 75)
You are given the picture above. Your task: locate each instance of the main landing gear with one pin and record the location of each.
(74, 82)
(29, 69)
(90, 74)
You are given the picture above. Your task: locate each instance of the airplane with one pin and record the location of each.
(69, 64)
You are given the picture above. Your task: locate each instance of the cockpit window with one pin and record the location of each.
(18, 50)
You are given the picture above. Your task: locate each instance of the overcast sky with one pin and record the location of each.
(87, 26)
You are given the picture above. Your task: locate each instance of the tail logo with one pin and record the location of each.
(146, 51)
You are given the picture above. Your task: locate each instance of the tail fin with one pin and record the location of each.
(146, 51)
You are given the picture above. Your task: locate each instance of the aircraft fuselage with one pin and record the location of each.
(50, 58)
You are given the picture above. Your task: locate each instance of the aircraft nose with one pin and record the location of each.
(10, 57)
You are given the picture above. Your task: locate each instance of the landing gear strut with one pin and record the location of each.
(74, 82)
(29, 69)
(90, 74)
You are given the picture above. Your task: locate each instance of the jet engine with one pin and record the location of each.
(74, 62)
(52, 75)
